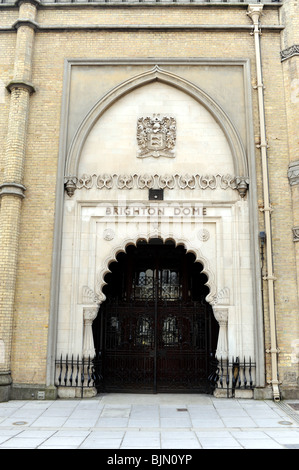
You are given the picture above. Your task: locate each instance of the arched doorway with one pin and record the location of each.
(155, 332)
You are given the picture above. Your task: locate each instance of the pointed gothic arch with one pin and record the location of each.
(157, 74)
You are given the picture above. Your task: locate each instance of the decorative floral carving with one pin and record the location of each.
(203, 235)
(221, 297)
(104, 181)
(86, 181)
(289, 52)
(145, 181)
(167, 181)
(89, 296)
(156, 136)
(155, 181)
(125, 181)
(187, 181)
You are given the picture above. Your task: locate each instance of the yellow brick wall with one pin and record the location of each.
(51, 48)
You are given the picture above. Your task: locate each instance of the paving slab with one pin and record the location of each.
(137, 421)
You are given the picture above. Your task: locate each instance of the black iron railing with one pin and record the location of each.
(84, 372)
(231, 375)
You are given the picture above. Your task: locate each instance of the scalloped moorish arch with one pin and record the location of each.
(199, 258)
(168, 78)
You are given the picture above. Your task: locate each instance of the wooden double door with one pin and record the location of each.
(155, 332)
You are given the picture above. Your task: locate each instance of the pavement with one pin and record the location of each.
(162, 421)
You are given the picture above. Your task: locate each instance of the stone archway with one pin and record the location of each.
(155, 332)
(91, 240)
(217, 299)
(156, 74)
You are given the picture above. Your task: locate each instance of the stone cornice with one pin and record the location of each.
(37, 3)
(12, 189)
(289, 52)
(131, 4)
(138, 27)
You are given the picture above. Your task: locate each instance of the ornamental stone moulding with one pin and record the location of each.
(121, 247)
(296, 234)
(156, 136)
(89, 297)
(154, 181)
(203, 235)
(108, 234)
(293, 173)
(289, 52)
(157, 74)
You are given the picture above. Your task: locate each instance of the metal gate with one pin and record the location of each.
(155, 332)
(155, 345)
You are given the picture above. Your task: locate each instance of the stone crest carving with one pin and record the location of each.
(156, 136)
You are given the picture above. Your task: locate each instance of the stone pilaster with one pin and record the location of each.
(221, 315)
(89, 315)
(12, 190)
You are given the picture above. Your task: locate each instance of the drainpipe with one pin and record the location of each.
(255, 11)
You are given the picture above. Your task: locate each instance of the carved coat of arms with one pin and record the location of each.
(156, 136)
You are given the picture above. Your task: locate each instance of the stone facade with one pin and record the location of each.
(75, 79)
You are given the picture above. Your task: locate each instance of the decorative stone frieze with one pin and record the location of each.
(202, 182)
(293, 173)
(289, 52)
(296, 233)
